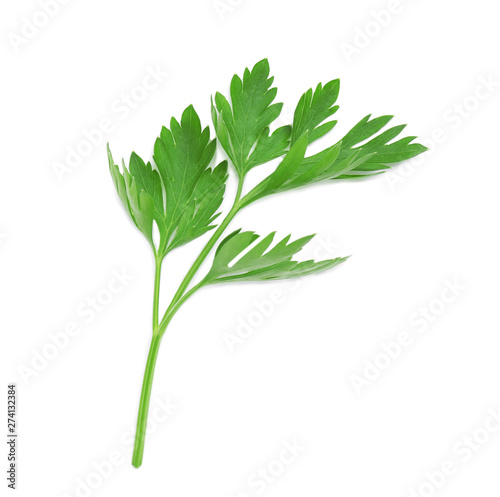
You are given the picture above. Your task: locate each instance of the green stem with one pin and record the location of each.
(168, 317)
(142, 417)
(156, 295)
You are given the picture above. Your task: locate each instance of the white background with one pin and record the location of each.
(433, 220)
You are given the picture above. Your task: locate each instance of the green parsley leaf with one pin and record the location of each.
(378, 152)
(200, 211)
(242, 126)
(181, 193)
(136, 201)
(340, 161)
(260, 262)
(313, 109)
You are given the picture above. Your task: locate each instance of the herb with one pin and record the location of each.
(181, 192)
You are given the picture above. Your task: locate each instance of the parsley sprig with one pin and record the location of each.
(181, 192)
